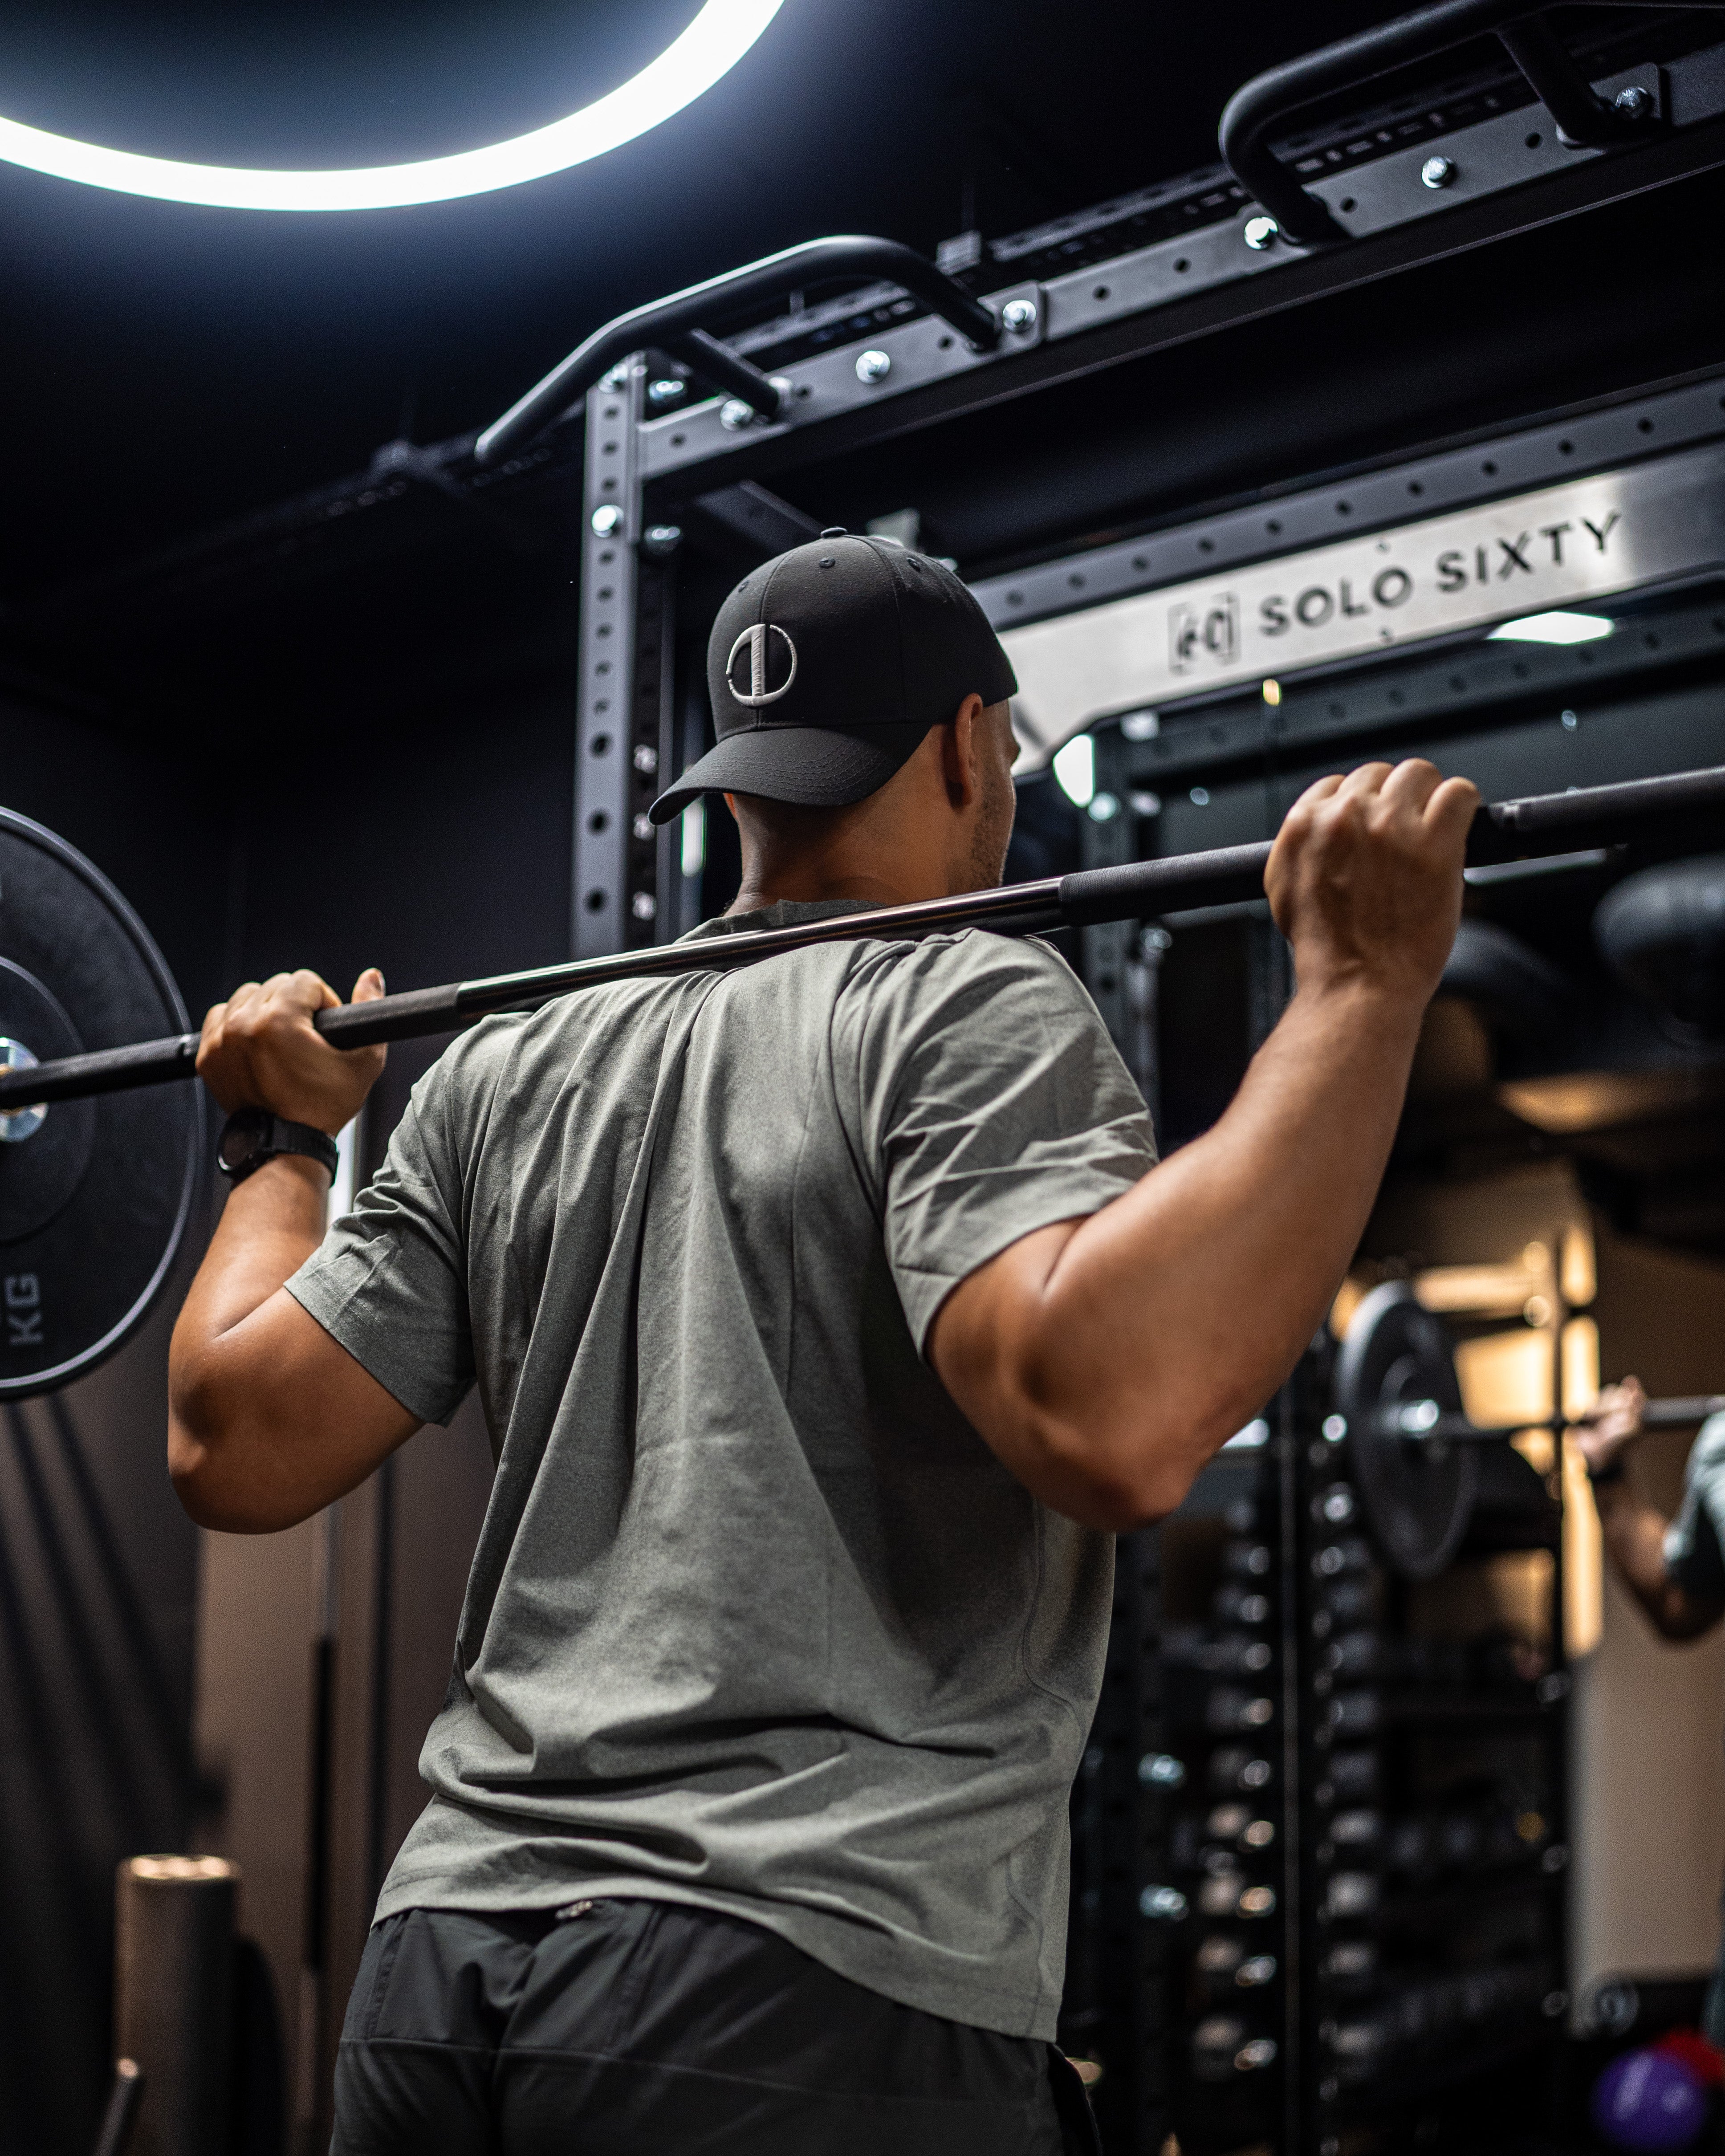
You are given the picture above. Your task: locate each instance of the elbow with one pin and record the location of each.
(208, 1502)
(193, 1472)
(1101, 1460)
(1121, 1504)
(1116, 1481)
(1678, 1620)
(200, 1444)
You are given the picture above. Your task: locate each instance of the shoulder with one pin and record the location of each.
(973, 972)
(469, 1069)
(997, 1026)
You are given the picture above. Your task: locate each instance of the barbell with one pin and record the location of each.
(1414, 1454)
(98, 1162)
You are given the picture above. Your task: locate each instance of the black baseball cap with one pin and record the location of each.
(826, 666)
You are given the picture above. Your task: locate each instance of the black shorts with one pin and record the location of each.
(638, 2026)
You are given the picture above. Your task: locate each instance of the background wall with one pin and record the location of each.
(1650, 1717)
(263, 1698)
(98, 1565)
(1647, 1766)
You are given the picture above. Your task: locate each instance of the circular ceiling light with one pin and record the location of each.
(710, 48)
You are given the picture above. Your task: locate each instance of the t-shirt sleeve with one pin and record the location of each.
(993, 1103)
(388, 1282)
(1695, 1541)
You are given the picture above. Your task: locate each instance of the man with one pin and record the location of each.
(1675, 1568)
(828, 1323)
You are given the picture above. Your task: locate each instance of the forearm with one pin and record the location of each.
(270, 1224)
(1167, 1319)
(270, 1417)
(1634, 1543)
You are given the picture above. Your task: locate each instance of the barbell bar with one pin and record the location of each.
(1426, 1422)
(1505, 830)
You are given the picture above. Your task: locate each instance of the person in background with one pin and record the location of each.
(1676, 1567)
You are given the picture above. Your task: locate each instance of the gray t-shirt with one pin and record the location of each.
(757, 1621)
(1695, 1541)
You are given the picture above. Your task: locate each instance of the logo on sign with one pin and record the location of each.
(1205, 633)
(764, 658)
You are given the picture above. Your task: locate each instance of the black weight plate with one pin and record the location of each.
(94, 1203)
(45, 1156)
(1417, 1495)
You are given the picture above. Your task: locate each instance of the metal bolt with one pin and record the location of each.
(1019, 316)
(1262, 232)
(18, 1123)
(1634, 103)
(1569, 722)
(873, 365)
(1104, 808)
(1437, 171)
(665, 391)
(733, 413)
(662, 539)
(1166, 1903)
(646, 760)
(607, 519)
(643, 829)
(643, 905)
(1161, 1770)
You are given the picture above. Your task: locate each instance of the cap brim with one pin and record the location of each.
(806, 767)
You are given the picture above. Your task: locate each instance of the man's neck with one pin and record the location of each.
(813, 886)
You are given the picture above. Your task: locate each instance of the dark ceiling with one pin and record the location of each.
(197, 395)
(168, 366)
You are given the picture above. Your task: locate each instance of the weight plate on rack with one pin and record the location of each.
(1417, 1495)
(93, 1194)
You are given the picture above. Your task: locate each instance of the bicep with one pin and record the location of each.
(286, 1421)
(988, 1346)
(977, 1336)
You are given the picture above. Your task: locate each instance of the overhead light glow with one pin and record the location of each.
(1552, 628)
(709, 48)
(1074, 766)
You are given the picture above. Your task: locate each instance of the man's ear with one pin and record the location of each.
(961, 762)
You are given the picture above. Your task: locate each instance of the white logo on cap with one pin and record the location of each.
(756, 638)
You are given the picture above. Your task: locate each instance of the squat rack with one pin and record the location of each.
(1286, 219)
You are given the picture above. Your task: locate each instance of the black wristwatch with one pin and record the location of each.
(1600, 1477)
(252, 1136)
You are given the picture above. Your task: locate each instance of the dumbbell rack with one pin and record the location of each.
(1432, 1849)
(1320, 1856)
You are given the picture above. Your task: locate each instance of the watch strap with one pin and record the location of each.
(1603, 1477)
(271, 1135)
